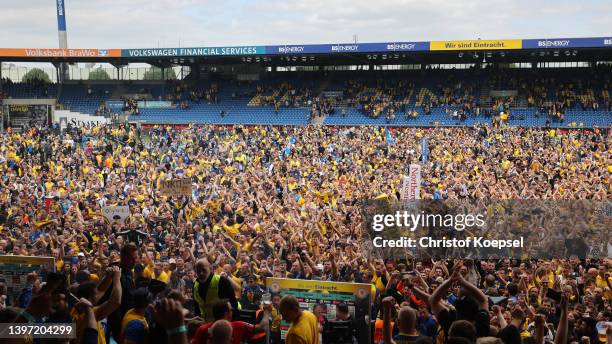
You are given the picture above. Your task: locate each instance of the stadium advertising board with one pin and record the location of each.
(559, 43)
(75, 119)
(14, 270)
(346, 48)
(59, 53)
(385, 47)
(310, 292)
(499, 44)
(154, 104)
(187, 52)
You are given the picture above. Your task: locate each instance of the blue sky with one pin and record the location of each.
(153, 23)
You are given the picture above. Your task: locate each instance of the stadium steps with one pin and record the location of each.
(318, 120)
(408, 98)
(425, 92)
(255, 101)
(485, 95)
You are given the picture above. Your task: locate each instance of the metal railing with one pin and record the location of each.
(16, 73)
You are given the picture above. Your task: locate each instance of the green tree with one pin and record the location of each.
(36, 74)
(99, 74)
(155, 73)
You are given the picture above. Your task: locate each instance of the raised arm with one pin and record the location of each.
(388, 302)
(114, 301)
(540, 324)
(562, 328)
(104, 284)
(436, 296)
(420, 294)
(500, 316)
(471, 289)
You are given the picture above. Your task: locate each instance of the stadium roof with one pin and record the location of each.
(508, 50)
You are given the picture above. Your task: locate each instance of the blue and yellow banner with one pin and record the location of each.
(340, 49)
(498, 44)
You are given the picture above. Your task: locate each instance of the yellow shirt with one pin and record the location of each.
(79, 320)
(148, 272)
(303, 331)
(550, 277)
(232, 230)
(601, 283)
(377, 281)
(163, 276)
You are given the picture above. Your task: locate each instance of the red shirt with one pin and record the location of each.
(241, 331)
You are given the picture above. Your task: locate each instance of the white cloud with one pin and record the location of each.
(149, 23)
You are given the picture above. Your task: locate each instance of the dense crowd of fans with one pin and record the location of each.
(378, 98)
(285, 202)
(130, 105)
(285, 95)
(103, 109)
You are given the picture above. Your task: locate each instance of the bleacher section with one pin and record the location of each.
(519, 117)
(85, 99)
(29, 91)
(435, 95)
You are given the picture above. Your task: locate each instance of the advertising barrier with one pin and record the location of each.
(358, 297)
(560, 43)
(501, 44)
(187, 52)
(155, 104)
(77, 119)
(59, 53)
(296, 49)
(347, 48)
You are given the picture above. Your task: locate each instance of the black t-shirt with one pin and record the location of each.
(407, 339)
(481, 321)
(510, 335)
(127, 301)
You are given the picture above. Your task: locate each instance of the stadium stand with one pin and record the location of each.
(557, 98)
